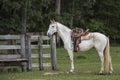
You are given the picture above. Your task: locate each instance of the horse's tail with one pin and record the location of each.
(107, 56)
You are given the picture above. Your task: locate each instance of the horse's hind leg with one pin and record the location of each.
(102, 61)
(101, 55)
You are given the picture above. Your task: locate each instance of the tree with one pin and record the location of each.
(58, 6)
(108, 12)
(98, 15)
(10, 20)
(24, 16)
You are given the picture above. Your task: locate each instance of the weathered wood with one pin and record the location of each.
(22, 41)
(13, 60)
(28, 51)
(44, 65)
(40, 53)
(45, 46)
(35, 37)
(12, 56)
(23, 55)
(44, 55)
(26, 47)
(6, 47)
(45, 38)
(36, 46)
(7, 37)
(40, 39)
(16, 59)
(53, 52)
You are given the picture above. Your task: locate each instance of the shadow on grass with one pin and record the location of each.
(80, 57)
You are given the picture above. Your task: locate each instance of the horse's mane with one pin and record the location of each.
(64, 27)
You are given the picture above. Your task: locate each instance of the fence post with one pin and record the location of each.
(53, 52)
(40, 53)
(22, 41)
(28, 51)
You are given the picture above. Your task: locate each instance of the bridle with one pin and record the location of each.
(56, 28)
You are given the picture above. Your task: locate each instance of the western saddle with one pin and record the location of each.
(76, 35)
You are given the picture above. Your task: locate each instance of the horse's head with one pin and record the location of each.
(52, 28)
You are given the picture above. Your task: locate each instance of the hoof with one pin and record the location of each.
(71, 71)
(105, 73)
(101, 73)
(110, 72)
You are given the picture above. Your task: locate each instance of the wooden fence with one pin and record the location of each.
(13, 59)
(28, 43)
(36, 42)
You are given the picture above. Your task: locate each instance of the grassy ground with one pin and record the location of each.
(87, 66)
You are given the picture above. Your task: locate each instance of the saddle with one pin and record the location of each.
(77, 33)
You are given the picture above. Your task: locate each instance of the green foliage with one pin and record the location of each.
(97, 26)
(39, 14)
(108, 11)
(98, 15)
(9, 18)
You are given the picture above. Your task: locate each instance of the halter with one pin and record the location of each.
(56, 27)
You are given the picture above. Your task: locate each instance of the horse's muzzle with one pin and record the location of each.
(49, 35)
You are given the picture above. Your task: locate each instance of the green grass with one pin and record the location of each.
(87, 66)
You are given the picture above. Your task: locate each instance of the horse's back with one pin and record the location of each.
(96, 39)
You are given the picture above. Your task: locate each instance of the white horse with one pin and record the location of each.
(97, 40)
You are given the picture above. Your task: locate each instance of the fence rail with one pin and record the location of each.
(13, 59)
(25, 43)
(39, 46)
(5, 47)
(8, 37)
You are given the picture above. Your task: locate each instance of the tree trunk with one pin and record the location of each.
(58, 6)
(57, 10)
(24, 16)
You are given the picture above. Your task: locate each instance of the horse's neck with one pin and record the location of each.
(63, 32)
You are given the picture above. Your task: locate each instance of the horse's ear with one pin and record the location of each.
(51, 21)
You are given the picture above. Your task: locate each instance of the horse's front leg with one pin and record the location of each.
(70, 53)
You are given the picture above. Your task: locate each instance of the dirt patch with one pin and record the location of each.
(30, 79)
(52, 73)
